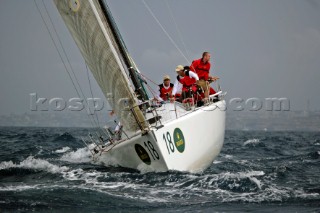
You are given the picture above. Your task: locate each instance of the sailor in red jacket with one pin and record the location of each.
(185, 79)
(202, 67)
(165, 89)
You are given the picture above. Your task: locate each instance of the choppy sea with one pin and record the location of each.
(50, 170)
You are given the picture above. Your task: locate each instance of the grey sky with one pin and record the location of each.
(265, 48)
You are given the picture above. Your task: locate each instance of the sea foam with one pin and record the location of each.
(81, 155)
(251, 141)
(62, 150)
(33, 163)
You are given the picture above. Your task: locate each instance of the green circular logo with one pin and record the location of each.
(143, 154)
(178, 139)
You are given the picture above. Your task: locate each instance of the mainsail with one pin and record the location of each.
(94, 34)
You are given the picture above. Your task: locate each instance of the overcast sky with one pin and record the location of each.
(265, 48)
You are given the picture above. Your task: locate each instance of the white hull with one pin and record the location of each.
(189, 143)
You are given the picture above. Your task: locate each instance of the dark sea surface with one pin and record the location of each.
(50, 170)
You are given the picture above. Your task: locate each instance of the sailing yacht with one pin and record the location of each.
(170, 136)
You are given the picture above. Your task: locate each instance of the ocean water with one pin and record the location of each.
(50, 170)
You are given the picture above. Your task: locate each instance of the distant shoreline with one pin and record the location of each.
(246, 121)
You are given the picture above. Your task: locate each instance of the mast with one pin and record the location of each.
(133, 73)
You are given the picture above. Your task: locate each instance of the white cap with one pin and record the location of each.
(166, 77)
(179, 68)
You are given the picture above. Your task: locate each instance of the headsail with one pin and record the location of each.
(93, 34)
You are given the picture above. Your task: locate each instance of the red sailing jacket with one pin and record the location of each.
(202, 69)
(186, 81)
(165, 93)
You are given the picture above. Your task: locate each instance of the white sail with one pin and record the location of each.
(93, 36)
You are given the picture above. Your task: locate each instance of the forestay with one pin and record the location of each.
(92, 34)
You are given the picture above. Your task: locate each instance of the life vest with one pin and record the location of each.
(202, 69)
(186, 81)
(165, 93)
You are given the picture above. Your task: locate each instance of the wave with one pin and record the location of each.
(62, 150)
(247, 186)
(312, 155)
(239, 175)
(251, 141)
(35, 164)
(65, 137)
(228, 156)
(81, 155)
(21, 187)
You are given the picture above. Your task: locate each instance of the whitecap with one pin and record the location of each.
(76, 174)
(143, 168)
(106, 160)
(228, 156)
(18, 188)
(62, 150)
(256, 181)
(81, 155)
(40, 150)
(33, 163)
(251, 141)
(251, 175)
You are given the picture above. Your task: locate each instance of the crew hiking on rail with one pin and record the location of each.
(192, 82)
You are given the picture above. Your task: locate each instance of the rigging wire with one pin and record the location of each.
(164, 30)
(149, 87)
(122, 60)
(59, 53)
(94, 112)
(151, 90)
(177, 28)
(148, 79)
(71, 67)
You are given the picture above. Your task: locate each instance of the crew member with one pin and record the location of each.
(202, 67)
(165, 89)
(185, 79)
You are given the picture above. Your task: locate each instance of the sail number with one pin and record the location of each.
(175, 142)
(152, 150)
(167, 139)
